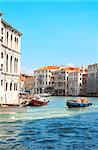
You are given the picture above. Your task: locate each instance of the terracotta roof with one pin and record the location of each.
(22, 78)
(49, 68)
(71, 69)
(77, 70)
(28, 78)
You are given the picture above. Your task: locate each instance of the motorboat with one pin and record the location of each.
(79, 102)
(38, 101)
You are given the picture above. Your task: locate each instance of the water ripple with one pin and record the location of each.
(53, 127)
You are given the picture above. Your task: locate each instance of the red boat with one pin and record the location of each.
(39, 101)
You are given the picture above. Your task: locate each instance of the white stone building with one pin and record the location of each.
(61, 80)
(75, 81)
(43, 78)
(9, 63)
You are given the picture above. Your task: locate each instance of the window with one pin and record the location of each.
(11, 37)
(1, 30)
(7, 63)
(1, 67)
(11, 40)
(7, 38)
(1, 55)
(15, 61)
(2, 39)
(6, 86)
(10, 86)
(7, 35)
(1, 82)
(17, 43)
(14, 86)
(11, 64)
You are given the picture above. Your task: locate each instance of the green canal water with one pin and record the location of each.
(50, 127)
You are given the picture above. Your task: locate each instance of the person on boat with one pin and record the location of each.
(82, 100)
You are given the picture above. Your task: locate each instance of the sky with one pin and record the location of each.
(54, 32)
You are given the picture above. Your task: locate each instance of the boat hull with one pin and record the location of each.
(76, 104)
(37, 103)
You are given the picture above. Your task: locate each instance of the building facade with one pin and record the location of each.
(75, 81)
(43, 79)
(84, 84)
(92, 82)
(9, 63)
(61, 81)
(27, 83)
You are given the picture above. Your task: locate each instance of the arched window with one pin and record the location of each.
(14, 86)
(7, 34)
(10, 86)
(7, 63)
(6, 86)
(17, 43)
(11, 37)
(15, 65)
(11, 64)
(7, 37)
(11, 40)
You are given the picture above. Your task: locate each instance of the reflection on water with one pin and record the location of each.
(50, 127)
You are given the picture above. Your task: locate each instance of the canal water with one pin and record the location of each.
(53, 127)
